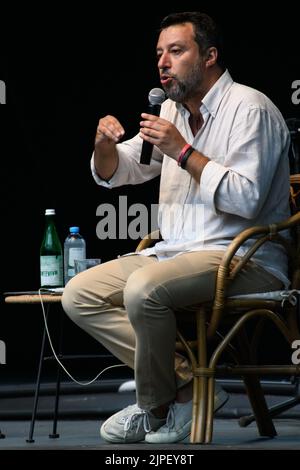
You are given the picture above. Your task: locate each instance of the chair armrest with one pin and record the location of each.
(224, 276)
(149, 240)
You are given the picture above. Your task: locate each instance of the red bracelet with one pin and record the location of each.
(182, 153)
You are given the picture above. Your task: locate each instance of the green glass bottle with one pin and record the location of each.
(51, 259)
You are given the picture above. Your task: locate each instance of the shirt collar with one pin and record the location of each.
(214, 96)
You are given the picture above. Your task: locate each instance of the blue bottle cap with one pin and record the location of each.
(74, 229)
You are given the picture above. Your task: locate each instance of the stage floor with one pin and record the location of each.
(84, 435)
(81, 416)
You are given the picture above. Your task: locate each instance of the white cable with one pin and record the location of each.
(55, 355)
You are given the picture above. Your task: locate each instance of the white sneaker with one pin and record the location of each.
(129, 425)
(128, 386)
(179, 420)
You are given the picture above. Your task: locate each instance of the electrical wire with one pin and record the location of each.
(41, 290)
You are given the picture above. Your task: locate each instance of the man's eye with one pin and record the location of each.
(176, 51)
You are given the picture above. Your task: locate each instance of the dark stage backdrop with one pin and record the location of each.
(63, 71)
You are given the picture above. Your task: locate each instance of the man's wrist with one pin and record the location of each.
(185, 153)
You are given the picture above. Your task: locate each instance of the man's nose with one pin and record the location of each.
(164, 62)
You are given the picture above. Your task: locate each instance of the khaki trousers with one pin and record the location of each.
(129, 306)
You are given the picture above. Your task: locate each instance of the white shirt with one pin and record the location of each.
(245, 183)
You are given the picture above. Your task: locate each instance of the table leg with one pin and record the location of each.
(38, 382)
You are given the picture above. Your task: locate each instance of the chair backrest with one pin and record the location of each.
(261, 234)
(295, 208)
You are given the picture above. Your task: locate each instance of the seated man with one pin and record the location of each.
(222, 151)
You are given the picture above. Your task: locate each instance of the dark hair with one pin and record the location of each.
(206, 31)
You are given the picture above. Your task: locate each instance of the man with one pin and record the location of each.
(221, 149)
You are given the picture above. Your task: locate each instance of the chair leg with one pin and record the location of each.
(260, 409)
(210, 410)
(276, 409)
(199, 410)
(199, 415)
(38, 382)
(255, 393)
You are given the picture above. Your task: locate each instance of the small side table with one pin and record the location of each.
(48, 300)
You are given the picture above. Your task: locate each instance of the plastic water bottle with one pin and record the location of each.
(74, 248)
(51, 260)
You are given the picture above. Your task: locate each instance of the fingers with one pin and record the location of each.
(162, 133)
(149, 117)
(152, 127)
(151, 122)
(109, 128)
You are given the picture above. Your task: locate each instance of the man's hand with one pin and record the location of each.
(163, 134)
(109, 131)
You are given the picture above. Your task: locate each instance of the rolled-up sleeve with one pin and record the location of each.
(241, 184)
(211, 177)
(129, 170)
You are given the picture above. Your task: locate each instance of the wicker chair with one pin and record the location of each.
(232, 314)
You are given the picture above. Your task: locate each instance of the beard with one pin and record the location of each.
(181, 90)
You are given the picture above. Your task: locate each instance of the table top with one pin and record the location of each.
(33, 298)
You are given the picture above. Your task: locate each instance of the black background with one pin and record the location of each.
(64, 68)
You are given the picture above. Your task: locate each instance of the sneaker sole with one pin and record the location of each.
(160, 440)
(117, 440)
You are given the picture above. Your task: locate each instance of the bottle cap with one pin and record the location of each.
(50, 212)
(74, 229)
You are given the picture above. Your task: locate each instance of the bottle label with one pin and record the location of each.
(74, 253)
(51, 270)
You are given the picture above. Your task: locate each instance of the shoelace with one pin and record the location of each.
(170, 423)
(133, 419)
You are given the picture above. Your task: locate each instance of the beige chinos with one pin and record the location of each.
(129, 306)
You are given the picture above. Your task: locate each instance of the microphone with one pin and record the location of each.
(156, 97)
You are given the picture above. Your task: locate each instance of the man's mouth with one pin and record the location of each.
(165, 79)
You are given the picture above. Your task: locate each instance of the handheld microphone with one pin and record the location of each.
(156, 97)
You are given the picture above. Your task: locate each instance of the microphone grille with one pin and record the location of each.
(156, 96)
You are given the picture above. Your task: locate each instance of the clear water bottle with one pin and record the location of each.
(51, 260)
(74, 248)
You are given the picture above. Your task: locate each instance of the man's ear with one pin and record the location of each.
(211, 56)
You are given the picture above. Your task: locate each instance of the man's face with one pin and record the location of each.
(180, 65)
